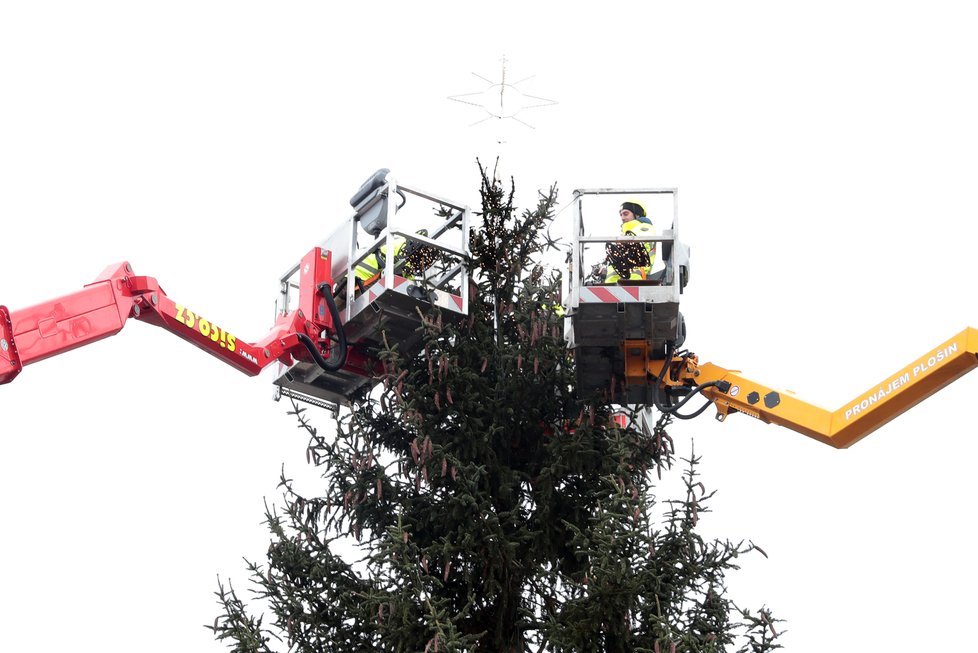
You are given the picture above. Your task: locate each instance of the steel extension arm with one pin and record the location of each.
(103, 306)
(897, 393)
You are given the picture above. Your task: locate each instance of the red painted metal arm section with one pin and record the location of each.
(153, 306)
(103, 306)
(38, 332)
(859, 417)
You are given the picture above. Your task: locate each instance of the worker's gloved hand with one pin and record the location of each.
(597, 274)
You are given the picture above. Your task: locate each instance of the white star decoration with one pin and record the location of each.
(502, 99)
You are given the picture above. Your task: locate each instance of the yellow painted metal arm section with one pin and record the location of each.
(858, 418)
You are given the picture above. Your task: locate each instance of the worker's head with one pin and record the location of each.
(631, 210)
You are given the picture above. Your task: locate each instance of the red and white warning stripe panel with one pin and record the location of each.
(380, 286)
(613, 294)
(608, 294)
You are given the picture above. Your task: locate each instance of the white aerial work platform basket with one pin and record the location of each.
(411, 246)
(602, 316)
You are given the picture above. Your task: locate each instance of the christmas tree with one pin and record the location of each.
(490, 505)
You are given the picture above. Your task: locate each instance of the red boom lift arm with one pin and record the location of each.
(312, 333)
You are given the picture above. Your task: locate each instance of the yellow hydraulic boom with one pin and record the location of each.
(732, 393)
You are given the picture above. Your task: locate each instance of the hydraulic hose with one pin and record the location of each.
(341, 343)
(674, 410)
(314, 352)
(330, 365)
(699, 411)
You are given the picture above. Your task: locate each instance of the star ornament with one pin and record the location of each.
(503, 100)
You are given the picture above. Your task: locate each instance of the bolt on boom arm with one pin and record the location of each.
(733, 393)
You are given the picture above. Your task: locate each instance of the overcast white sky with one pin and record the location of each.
(826, 163)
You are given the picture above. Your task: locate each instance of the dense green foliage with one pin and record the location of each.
(494, 509)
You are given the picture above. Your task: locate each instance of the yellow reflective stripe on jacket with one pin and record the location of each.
(613, 277)
(370, 267)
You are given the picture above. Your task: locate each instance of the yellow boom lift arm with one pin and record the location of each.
(730, 392)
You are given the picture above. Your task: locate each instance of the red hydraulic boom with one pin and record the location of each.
(312, 333)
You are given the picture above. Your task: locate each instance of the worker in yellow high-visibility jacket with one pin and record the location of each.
(631, 261)
(370, 268)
